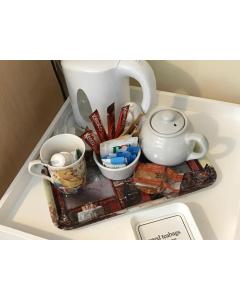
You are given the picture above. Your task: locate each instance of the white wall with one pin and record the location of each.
(209, 79)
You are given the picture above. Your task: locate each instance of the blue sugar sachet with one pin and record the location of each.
(133, 149)
(132, 158)
(123, 154)
(110, 155)
(115, 160)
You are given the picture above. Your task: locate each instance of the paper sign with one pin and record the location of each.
(168, 228)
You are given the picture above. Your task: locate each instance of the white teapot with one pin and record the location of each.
(167, 138)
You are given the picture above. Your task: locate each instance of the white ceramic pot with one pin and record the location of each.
(117, 174)
(167, 138)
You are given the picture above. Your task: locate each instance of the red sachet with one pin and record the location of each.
(89, 138)
(153, 179)
(111, 121)
(97, 123)
(122, 120)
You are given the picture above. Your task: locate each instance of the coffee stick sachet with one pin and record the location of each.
(122, 120)
(135, 123)
(97, 123)
(89, 137)
(111, 121)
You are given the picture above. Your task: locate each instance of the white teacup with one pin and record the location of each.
(70, 178)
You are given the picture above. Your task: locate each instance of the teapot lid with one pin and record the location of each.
(167, 122)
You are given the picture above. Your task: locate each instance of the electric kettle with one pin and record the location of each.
(96, 84)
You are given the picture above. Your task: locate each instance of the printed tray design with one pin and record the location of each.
(102, 198)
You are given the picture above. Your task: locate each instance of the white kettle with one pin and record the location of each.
(96, 84)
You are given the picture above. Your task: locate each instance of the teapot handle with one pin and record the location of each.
(201, 141)
(143, 73)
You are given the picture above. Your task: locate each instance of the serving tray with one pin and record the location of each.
(102, 198)
(216, 209)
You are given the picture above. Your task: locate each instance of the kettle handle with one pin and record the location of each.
(143, 73)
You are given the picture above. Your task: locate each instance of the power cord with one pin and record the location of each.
(60, 77)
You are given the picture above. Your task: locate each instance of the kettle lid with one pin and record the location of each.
(167, 122)
(89, 65)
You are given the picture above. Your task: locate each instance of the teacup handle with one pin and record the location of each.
(201, 140)
(38, 162)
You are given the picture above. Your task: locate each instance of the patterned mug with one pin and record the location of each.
(67, 179)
